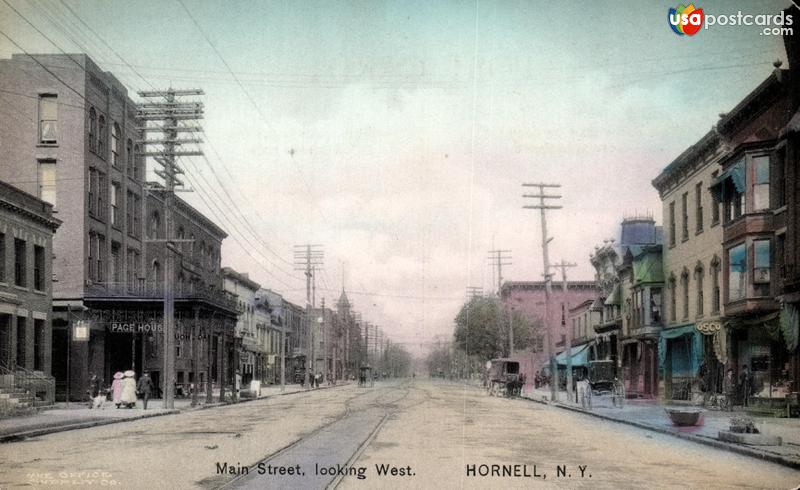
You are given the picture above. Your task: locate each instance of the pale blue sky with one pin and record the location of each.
(396, 134)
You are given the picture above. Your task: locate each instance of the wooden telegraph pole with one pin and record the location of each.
(308, 258)
(543, 207)
(564, 286)
(498, 259)
(170, 113)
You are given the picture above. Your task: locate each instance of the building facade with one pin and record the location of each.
(248, 336)
(528, 299)
(27, 226)
(75, 146)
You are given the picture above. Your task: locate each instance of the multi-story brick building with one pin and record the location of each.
(26, 247)
(248, 336)
(756, 215)
(75, 145)
(528, 299)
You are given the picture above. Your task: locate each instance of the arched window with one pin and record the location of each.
(155, 274)
(154, 225)
(116, 145)
(135, 162)
(101, 135)
(129, 156)
(685, 291)
(181, 235)
(673, 293)
(92, 129)
(715, 287)
(699, 277)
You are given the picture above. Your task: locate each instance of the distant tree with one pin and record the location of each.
(482, 328)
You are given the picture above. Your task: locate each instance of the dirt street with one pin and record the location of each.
(422, 434)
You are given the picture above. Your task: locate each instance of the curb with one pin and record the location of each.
(734, 448)
(19, 436)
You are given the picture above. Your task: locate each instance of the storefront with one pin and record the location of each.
(680, 355)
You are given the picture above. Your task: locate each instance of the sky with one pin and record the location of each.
(397, 134)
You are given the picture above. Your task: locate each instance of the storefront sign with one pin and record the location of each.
(709, 328)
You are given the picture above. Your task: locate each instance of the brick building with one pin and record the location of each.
(75, 145)
(27, 226)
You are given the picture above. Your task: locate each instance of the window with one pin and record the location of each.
(673, 291)
(155, 271)
(48, 119)
(137, 216)
(685, 292)
(38, 268)
(90, 257)
(761, 267)
(116, 263)
(154, 225)
(2, 257)
(38, 345)
(734, 200)
(672, 224)
(737, 272)
(20, 263)
(714, 203)
(655, 305)
(685, 216)
(129, 211)
(133, 269)
(101, 252)
(92, 129)
(760, 182)
(129, 156)
(116, 145)
(715, 285)
(699, 274)
(102, 188)
(92, 191)
(115, 193)
(698, 205)
(47, 181)
(136, 162)
(101, 135)
(779, 178)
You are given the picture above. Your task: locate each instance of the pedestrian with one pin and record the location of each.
(116, 389)
(729, 390)
(145, 388)
(745, 385)
(237, 384)
(128, 397)
(93, 391)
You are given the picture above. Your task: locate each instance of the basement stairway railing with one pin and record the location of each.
(38, 384)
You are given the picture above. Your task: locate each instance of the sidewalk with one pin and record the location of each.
(78, 416)
(649, 414)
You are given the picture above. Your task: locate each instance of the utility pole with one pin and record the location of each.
(474, 292)
(564, 286)
(307, 258)
(498, 259)
(168, 110)
(543, 207)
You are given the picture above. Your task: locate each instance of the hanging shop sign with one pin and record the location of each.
(80, 331)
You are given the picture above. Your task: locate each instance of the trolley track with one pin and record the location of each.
(375, 414)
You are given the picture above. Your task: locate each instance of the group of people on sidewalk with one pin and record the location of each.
(737, 392)
(123, 392)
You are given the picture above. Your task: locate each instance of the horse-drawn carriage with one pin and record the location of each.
(601, 381)
(504, 378)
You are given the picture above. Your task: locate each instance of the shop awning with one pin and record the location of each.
(736, 173)
(580, 356)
